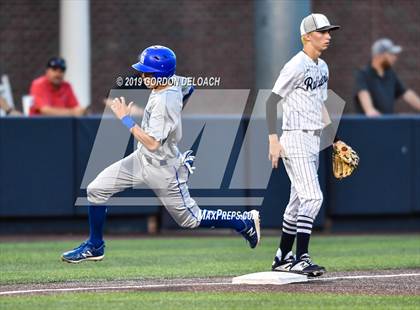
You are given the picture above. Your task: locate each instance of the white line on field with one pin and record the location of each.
(104, 288)
(169, 285)
(367, 277)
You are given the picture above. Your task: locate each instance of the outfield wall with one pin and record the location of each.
(43, 160)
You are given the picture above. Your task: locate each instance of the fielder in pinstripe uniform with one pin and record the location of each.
(302, 89)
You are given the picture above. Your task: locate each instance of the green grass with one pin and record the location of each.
(184, 300)
(38, 262)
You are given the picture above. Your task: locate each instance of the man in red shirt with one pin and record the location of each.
(52, 95)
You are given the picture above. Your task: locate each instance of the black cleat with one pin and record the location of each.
(284, 264)
(304, 265)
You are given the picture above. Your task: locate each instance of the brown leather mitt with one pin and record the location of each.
(344, 160)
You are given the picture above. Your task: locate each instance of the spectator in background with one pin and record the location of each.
(377, 86)
(52, 95)
(8, 109)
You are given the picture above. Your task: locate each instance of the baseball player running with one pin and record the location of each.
(157, 162)
(302, 89)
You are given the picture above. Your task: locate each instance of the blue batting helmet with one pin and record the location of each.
(158, 60)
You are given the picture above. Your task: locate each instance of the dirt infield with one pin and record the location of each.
(383, 282)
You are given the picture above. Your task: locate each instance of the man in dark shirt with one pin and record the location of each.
(377, 86)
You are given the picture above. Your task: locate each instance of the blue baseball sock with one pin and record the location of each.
(222, 219)
(97, 215)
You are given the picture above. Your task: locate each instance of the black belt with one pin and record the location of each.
(316, 132)
(313, 132)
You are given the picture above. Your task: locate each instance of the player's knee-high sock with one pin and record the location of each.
(97, 216)
(221, 219)
(304, 230)
(287, 237)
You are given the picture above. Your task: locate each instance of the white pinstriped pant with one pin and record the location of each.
(301, 160)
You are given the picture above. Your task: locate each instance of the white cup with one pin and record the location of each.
(27, 102)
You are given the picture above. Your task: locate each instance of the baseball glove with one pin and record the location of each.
(344, 160)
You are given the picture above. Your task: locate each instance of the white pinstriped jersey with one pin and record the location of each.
(303, 85)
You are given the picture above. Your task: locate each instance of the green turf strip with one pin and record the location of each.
(39, 262)
(202, 300)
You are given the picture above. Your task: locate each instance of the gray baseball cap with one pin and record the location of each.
(385, 45)
(316, 22)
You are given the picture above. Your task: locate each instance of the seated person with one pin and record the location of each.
(377, 86)
(52, 95)
(8, 109)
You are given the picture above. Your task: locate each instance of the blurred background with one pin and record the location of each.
(245, 43)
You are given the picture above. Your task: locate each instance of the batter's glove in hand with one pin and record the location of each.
(344, 160)
(188, 161)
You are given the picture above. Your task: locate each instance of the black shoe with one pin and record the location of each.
(283, 264)
(304, 265)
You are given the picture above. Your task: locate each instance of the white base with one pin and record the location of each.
(270, 277)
